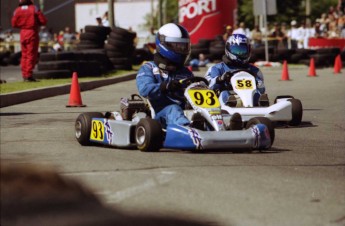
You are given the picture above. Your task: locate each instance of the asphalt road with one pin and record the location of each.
(300, 181)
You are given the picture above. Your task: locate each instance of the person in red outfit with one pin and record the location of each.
(28, 18)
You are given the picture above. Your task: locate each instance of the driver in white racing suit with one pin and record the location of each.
(158, 80)
(237, 54)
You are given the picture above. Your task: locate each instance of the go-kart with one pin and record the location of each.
(207, 130)
(243, 87)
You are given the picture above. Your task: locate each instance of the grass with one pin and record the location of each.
(21, 86)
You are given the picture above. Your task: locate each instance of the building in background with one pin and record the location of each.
(76, 14)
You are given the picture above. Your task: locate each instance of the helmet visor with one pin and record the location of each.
(241, 51)
(178, 47)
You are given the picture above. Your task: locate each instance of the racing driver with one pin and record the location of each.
(158, 80)
(28, 18)
(237, 54)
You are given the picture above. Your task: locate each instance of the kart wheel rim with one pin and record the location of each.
(141, 134)
(78, 129)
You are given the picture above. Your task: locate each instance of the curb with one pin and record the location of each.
(41, 93)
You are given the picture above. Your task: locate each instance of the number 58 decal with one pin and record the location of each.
(204, 98)
(244, 84)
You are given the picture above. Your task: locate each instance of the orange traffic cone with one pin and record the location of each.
(285, 72)
(337, 65)
(312, 71)
(75, 97)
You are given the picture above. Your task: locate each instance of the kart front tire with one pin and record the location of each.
(296, 112)
(83, 127)
(262, 120)
(148, 135)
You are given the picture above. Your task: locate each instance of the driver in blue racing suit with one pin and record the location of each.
(158, 80)
(237, 54)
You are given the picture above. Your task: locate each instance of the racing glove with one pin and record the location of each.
(224, 78)
(172, 85)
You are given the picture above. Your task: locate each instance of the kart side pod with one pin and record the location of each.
(181, 137)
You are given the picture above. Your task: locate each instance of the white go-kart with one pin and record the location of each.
(285, 108)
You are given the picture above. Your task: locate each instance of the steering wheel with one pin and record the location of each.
(186, 82)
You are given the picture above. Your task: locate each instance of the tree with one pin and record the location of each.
(286, 11)
(170, 15)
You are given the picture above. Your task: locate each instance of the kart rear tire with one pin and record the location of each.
(296, 112)
(262, 120)
(149, 135)
(83, 127)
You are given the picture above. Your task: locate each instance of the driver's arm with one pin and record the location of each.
(212, 74)
(148, 86)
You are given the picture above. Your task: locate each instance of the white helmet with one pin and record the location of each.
(173, 43)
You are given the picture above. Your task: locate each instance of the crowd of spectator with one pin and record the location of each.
(330, 25)
(64, 40)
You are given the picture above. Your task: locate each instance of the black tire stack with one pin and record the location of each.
(63, 64)
(8, 58)
(93, 37)
(217, 49)
(120, 48)
(202, 46)
(323, 57)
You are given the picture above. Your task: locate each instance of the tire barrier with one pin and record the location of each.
(202, 47)
(8, 58)
(120, 48)
(93, 37)
(63, 64)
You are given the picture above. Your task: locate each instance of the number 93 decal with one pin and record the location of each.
(244, 84)
(204, 98)
(97, 130)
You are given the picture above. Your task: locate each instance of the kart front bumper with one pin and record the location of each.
(181, 137)
(280, 111)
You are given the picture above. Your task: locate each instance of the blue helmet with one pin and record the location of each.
(173, 43)
(237, 48)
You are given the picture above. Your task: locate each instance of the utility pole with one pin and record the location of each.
(160, 13)
(111, 14)
(41, 2)
(307, 11)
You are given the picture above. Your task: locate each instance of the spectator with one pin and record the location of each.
(150, 44)
(200, 62)
(9, 38)
(105, 20)
(68, 39)
(293, 35)
(256, 37)
(45, 39)
(99, 21)
(60, 38)
(277, 36)
(242, 30)
(228, 33)
(341, 6)
(309, 32)
(28, 18)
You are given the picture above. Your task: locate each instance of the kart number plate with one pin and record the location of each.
(244, 84)
(97, 130)
(204, 98)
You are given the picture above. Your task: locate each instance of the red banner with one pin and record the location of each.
(327, 42)
(206, 18)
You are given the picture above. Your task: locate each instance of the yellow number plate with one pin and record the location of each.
(97, 130)
(244, 84)
(204, 98)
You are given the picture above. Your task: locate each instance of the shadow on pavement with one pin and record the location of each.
(36, 195)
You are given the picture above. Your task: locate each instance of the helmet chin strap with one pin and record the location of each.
(163, 63)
